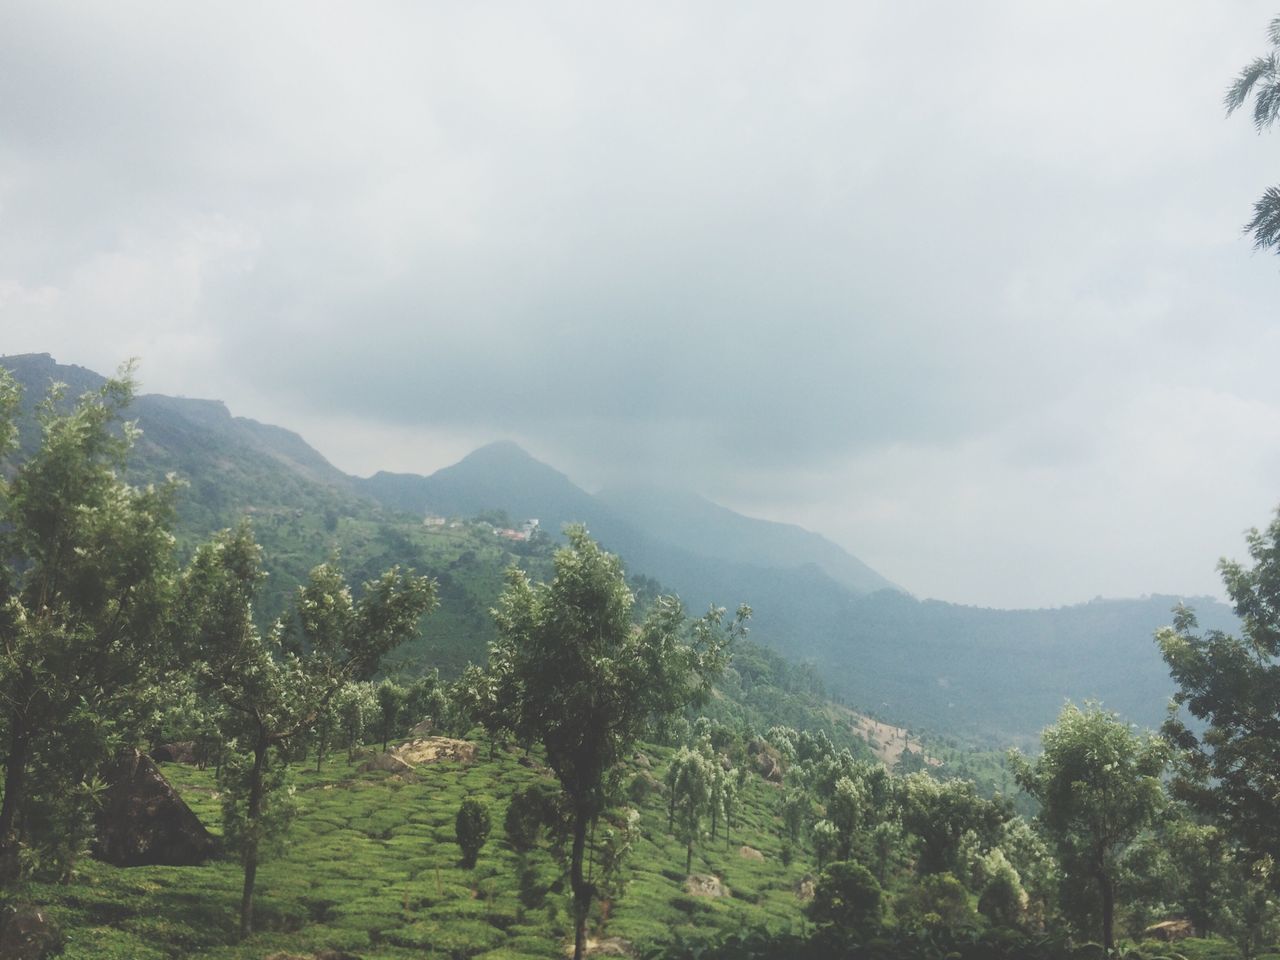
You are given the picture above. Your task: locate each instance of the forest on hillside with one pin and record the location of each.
(617, 775)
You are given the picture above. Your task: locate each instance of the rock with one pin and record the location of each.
(1170, 930)
(704, 885)
(644, 785)
(607, 947)
(27, 933)
(388, 762)
(184, 751)
(750, 853)
(435, 749)
(143, 821)
(769, 768)
(422, 728)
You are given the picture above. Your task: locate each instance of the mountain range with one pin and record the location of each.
(996, 675)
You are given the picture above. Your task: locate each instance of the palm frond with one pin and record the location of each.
(1238, 92)
(1273, 32)
(1266, 105)
(1265, 225)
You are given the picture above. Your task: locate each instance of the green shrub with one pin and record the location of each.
(471, 829)
(847, 896)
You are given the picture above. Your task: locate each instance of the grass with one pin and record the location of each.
(371, 867)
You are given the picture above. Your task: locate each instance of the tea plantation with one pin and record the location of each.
(372, 867)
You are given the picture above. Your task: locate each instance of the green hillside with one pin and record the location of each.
(372, 867)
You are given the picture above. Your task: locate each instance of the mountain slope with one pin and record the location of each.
(987, 673)
(699, 526)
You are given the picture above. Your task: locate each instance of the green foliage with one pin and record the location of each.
(86, 572)
(1098, 785)
(530, 811)
(938, 902)
(586, 685)
(270, 692)
(1229, 683)
(471, 829)
(940, 814)
(848, 897)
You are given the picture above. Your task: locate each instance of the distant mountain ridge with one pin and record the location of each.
(993, 673)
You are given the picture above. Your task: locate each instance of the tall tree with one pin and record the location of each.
(1098, 785)
(588, 682)
(1232, 685)
(85, 583)
(940, 814)
(1261, 80)
(270, 694)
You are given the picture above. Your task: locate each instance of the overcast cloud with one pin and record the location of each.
(962, 286)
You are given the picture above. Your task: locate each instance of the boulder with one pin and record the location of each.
(143, 821)
(1170, 930)
(704, 885)
(644, 785)
(750, 853)
(605, 947)
(183, 751)
(434, 749)
(27, 933)
(422, 728)
(388, 762)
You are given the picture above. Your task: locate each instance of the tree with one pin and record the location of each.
(1232, 685)
(940, 814)
(1098, 785)
(848, 897)
(1261, 78)
(268, 695)
(391, 702)
(86, 578)
(690, 779)
(471, 828)
(587, 683)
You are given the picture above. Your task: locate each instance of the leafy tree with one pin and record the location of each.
(391, 700)
(86, 577)
(1261, 79)
(1098, 785)
(690, 780)
(940, 814)
(471, 828)
(529, 811)
(267, 695)
(587, 683)
(848, 897)
(1232, 685)
(826, 842)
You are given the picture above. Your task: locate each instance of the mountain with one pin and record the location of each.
(991, 674)
(699, 526)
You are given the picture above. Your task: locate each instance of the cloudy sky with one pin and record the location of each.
(962, 286)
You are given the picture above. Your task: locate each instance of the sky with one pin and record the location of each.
(961, 286)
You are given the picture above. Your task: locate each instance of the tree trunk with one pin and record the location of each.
(688, 857)
(320, 747)
(254, 818)
(15, 782)
(581, 889)
(1108, 890)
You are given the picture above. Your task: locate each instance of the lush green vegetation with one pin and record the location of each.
(649, 786)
